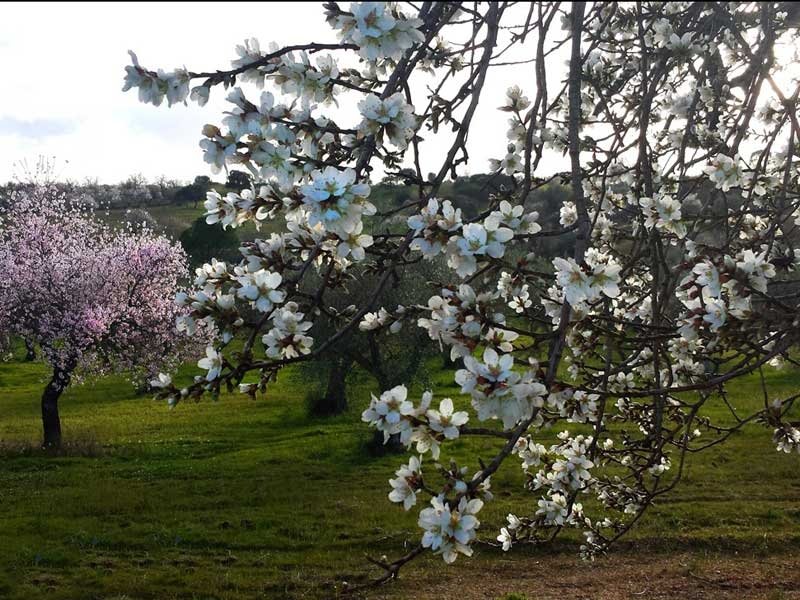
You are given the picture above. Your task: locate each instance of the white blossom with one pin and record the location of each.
(211, 363)
(407, 483)
(393, 116)
(387, 413)
(450, 531)
(378, 31)
(445, 421)
(261, 288)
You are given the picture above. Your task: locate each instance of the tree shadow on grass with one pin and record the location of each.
(84, 445)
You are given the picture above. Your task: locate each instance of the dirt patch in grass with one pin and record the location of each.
(617, 577)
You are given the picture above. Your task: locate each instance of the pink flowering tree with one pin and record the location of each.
(675, 126)
(94, 299)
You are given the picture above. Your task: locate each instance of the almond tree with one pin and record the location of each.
(94, 299)
(677, 124)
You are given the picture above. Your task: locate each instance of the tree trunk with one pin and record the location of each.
(334, 402)
(50, 419)
(391, 446)
(143, 387)
(30, 350)
(336, 394)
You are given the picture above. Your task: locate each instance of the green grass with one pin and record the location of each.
(245, 499)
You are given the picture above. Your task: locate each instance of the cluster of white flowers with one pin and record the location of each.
(450, 530)
(576, 406)
(518, 134)
(477, 241)
(661, 467)
(554, 510)
(207, 302)
(218, 149)
(787, 439)
(568, 215)
(508, 534)
(390, 413)
(662, 35)
(497, 391)
(511, 163)
(664, 213)
(433, 226)
(568, 468)
(407, 483)
(261, 289)
(714, 291)
(221, 210)
(725, 172)
(287, 338)
(461, 318)
(311, 83)
(515, 218)
(379, 30)
(211, 363)
(682, 44)
(531, 453)
(439, 228)
(619, 494)
(248, 53)
(515, 100)
(271, 139)
(581, 286)
(514, 292)
(427, 428)
(392, 117)
(336, 201)
(563, 472)
(163, 380)
(377, 320)
(154, 87)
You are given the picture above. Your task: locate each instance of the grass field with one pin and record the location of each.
(254, 499)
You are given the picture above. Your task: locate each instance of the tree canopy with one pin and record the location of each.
(92, 298)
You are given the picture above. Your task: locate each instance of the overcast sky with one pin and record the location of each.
(63, 67)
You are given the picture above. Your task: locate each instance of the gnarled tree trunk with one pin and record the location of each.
(30, 350)
(334, 398)
(336, 392)
(51, 422)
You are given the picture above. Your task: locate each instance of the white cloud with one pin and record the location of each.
(37, 129)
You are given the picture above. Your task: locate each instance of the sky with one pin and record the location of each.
(63, 65)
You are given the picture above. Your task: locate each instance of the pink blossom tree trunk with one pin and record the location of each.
(51, 422)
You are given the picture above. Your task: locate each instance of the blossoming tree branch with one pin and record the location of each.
(676, 125)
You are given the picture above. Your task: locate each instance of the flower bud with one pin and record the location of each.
(210, 130)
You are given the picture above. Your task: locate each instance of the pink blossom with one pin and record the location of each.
(93, 297)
